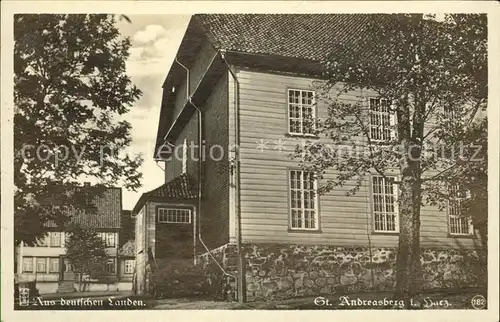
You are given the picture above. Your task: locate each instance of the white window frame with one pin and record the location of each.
(41, 260)
(379, 115)
(27, 260)
(384, 213)
(301, 209)
(106, 237)
(184, 156)
(52, 238)
(300, 107)
(51, 261)
(129, 266)
(110, 239)
(455, 216)
(163, 215)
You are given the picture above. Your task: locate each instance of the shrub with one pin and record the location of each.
(179, 278)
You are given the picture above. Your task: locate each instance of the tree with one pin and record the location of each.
(428, 75)
(70, 91)
(474, 177)
(86, 252)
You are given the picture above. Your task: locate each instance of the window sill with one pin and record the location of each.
(305, 231)
(387, 233)
(173, 223)
(472, 236)
(302, 136)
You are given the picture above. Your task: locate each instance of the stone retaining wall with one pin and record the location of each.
(276, 271)
(225, 287)
(283, 271)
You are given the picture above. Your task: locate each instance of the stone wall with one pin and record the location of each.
(283, 271)
(277, 271)
(224, 287)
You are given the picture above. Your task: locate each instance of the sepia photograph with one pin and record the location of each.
(249, 161)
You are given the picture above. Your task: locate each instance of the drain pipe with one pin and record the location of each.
(199, 117)
(188, 77)
(241, 259)
(200, 152)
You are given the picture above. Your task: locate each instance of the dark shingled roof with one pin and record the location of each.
(108, 211)
(292, 43)
(303, 36)
(181, 187)
(104, 212)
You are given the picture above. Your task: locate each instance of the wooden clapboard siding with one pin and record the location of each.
(264, 196)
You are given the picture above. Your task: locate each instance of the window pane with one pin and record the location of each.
(458, 223)
(380, 120)
(55, 239)
(294, 218)
(27, 264)
(302, 200)
(54, 265)
(384, 204)
(182, 216)
(300, 109)
(129, 266)
(41, 265)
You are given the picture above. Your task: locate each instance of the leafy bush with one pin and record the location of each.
(179, 278)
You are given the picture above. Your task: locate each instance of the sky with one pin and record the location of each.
(155, 40)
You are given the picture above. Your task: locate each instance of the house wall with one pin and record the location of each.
(173, 167)
(172, 240)
(196, 73)
(46, 252)
(164, 239)
(344, 220)
(140, 251)
(215, 201)
(214, 214)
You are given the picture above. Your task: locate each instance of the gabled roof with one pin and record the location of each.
(181, 187)
(291, 43)
(102, 211)
(108, 211)
(303, 36)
